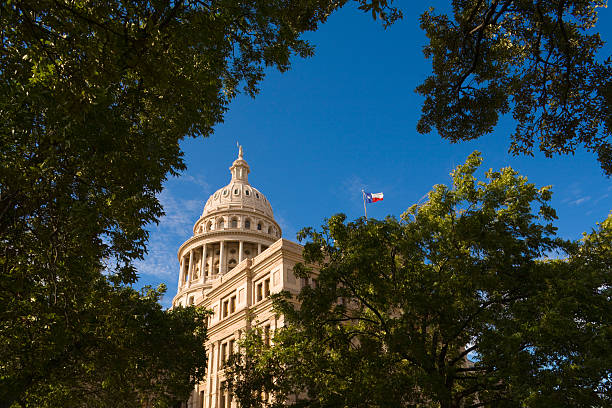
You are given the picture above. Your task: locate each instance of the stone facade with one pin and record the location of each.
(235, 259)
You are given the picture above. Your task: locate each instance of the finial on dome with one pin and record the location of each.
(240, 168)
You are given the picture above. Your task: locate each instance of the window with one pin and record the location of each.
(266, 335)
(220, 224)
(259, 226)
(257, 195)
(222, 396)
(228, 306)
(247, 192)
(262, 290)
(236, 191)
(234, 223)
(270, 230)
(225, 308)
(247, 224)
(190, 300)
(224, 192)
(227, 349)
(304, 282)
(267, 287)
(223, 354)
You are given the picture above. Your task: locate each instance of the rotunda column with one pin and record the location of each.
(258, 249)
(240, 247)
(203, 273)
(190, 270)
(182, 265)
(221, 256)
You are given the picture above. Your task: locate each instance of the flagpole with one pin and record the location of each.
(365, 210)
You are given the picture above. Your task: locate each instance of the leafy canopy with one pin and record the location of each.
(454, 305)
(536, 59)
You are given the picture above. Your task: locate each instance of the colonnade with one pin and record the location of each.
(194, 270)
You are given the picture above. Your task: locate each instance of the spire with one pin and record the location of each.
(240, 169)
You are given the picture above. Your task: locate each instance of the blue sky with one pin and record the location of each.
(344, 120)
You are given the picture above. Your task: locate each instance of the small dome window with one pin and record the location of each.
(247, 192)
(234, 223)
(259, 226)
(247, 224)
(236, 191)
(256, 195)
(216, 195)
(224, 192)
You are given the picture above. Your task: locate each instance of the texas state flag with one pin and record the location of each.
(373, 197)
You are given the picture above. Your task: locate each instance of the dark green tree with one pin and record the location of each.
(537, 60)
(458, 304)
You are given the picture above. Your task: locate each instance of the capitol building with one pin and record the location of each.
(235, 259)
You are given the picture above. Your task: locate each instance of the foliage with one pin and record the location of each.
(536, 59)
(120, 349)
(455, 305)
(95, 97)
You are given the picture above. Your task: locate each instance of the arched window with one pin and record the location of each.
(209, 226)
(259, 226)
(270, 230)
(247, 224)
(234, 222)
(220, 224)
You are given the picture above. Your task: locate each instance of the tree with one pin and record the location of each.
(95, 98)
(536, 59)
(118, 349)
(457, 304)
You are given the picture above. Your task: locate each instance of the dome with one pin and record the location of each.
(238, 194)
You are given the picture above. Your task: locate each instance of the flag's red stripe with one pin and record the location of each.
(375, 199)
